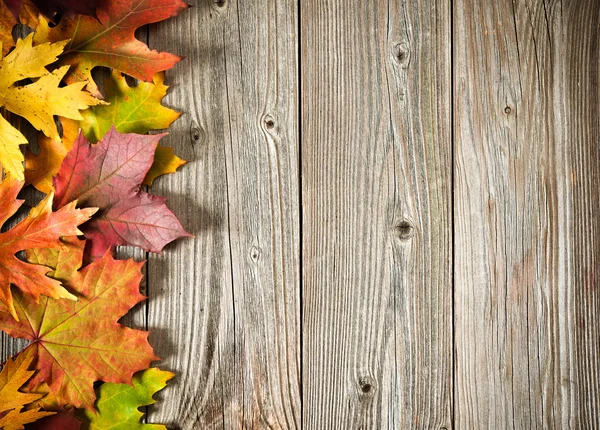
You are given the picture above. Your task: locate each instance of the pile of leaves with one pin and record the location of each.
(61, 286)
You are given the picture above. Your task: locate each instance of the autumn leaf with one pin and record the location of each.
(78, 343)
(165, 161)
(134, 110)
(62, 420)
(52, 7)
(12, 401)
(37, 102)
(110, 41)
(28, 15)
(109, 175)
(131, 109)
(118, 404)
(39, 169)
(41, 229)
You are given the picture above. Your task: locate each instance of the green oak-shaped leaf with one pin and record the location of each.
(134, 110)
(118, 404)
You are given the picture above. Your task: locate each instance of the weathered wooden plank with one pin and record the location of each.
(225, 306)
(376, 168)
(527, 225)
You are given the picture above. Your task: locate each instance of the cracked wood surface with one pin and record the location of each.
(420, 178)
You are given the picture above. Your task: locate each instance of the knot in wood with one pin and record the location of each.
(367, 386)
(197, 134)
(401, 52)
(255, 253)
(269, 122)
(404, 230)
(507, 110)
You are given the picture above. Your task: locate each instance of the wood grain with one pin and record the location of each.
(225, 306)
(527, 216)
(376, 196)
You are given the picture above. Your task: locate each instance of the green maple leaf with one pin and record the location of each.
(118, 404)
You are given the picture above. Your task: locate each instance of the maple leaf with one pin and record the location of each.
(118, 404)
(39, 169)
(110, 41)
(52, 7)
(78, 343)
(42, 228)
(13, 376)
(131, 110)
(108, 176)
(37, 102)
(134, 110)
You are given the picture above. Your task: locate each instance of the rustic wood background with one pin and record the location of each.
(396, 210)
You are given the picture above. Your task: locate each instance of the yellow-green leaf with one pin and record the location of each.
(131, 109)
(118, 404)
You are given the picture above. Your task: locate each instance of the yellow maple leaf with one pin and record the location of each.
(38, 101)
(13, 376)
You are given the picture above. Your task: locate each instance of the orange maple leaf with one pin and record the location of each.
(41, 229)
(79, 343)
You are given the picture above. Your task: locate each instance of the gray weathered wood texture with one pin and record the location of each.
(225, 306)
(527, 219)
(396, 215)
(376, 201)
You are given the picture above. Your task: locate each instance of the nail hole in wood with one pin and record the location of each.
(507, 110)
(405, 230)
(220, 3)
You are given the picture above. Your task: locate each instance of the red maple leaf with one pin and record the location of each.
(79, 342)
(109, 176)
(110, 40)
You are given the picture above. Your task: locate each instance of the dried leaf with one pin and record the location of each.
(37, 102)
(134, 110)
(110, 41)
(109, 175)
(12, 401)
(41, 229)
(78, 343)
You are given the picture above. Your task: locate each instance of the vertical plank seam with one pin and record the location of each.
(453, 233)
(300, 207)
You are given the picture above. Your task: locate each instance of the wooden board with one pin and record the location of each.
(376, 201)
(527, 217)
(225, 306)
(396, 215)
